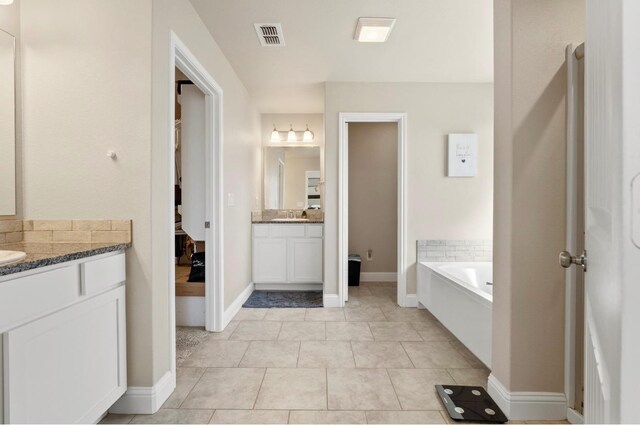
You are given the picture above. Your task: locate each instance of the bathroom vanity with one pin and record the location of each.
(63, 332)
(287, 255)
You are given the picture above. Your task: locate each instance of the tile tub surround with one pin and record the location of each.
(85, 231)
(471, 250)
(10, 231)
(267, 216)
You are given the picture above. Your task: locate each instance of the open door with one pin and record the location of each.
(612, 212)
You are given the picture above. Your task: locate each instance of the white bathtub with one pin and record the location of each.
(458, 295)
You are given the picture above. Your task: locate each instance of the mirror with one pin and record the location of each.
(7, 125)
(292, 178)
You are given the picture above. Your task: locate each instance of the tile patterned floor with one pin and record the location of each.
(371, 362)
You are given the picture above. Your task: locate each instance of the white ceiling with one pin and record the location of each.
(432, 41)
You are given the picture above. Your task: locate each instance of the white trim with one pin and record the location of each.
(343, 198)
(411, 300)
(288, 286)
(378, 277)
(236, 305)
(574, 417)
(527, 405)
(331, 300)
(145, 400)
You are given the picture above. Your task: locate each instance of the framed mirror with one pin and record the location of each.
(7, 124)
(292, 178)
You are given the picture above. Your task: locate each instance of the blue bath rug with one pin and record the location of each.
(284, 299)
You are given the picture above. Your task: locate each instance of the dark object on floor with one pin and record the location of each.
(470, 404)
(355, 261)
(197, 267)
(284, 299)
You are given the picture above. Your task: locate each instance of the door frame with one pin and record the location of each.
(344, 119)
(182, 58)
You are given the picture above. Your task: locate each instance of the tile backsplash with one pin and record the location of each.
(471, 250)
(65, 231)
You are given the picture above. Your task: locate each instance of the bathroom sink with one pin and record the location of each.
(290, 220)
(11, 256)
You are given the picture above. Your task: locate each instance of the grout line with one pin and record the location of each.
(407, 353)
(253, 407)
(394, 389)
(244, 353)
(326, 383)
(211, 417)
(192, 388)
(299, 349)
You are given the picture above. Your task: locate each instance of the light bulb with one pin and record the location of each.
(275, 136)
(308, 135)
(291, 136)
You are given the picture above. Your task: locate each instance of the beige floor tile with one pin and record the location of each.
(217, 353)
(404, 314)
(405, 417)
(361, 389)
(251, 314)
(186, 379)
(226, 333)
(256, 331)
(364, 314)
(271, 354)
(379, 354)
(393, 331)
(325, 314)
(352, 302)
(434, 354)
(358, 291)
(302, 331)
(225, 389)
(468, 355)
(285, 314)
(372, 300)
(250, 417)
(327, 417)
(379, 284)
(473, 377)
(348, 331)
(389, 292)
(325, 354)
(295, 389)
(175, 416)
(113, 418)
(432, 331)
(416, 387)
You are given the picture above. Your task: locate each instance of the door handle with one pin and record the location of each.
(566, 260)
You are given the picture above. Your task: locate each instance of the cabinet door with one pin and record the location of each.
(305, 261)
(69, 366)
(269, 260)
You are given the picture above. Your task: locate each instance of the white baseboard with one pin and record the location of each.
(378, 277)
(528, 405)
(574, 417)
(236, 305)
(145, 400)
(331, 300)
(411, 300)
(288, 286)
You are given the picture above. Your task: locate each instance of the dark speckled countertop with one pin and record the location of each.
(46, 254)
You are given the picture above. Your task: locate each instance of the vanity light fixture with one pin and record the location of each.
(291, 136)
(373, 30)
(308, 135)
(275, 136)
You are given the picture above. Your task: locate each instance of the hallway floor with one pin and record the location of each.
(371, 362)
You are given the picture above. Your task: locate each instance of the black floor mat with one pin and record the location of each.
(284, 299)
(471, 404)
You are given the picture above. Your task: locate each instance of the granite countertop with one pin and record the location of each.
(287, 222)
(46, 254)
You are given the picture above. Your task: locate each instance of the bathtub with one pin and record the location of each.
(459, 296)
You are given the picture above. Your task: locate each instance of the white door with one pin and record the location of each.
(612, 160)
(193, 157)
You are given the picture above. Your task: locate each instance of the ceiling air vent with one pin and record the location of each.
(270, 35)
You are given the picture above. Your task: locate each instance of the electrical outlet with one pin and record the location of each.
(370, 255)
(231, 200)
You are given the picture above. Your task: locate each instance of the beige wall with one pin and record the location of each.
(118, 100)
(373, 190)
(529, 223)
(438, 207)
(10, 22)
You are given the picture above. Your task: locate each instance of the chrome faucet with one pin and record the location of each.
(291, 214)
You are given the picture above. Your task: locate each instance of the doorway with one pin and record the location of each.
(399, 119)
(210, 219)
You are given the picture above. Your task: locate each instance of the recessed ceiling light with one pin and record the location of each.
(373, 30)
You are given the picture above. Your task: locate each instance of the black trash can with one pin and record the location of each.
(354, 269)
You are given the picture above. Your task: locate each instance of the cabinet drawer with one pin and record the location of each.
(287, 230)
(260, 230)
(314, 230)
(98, 275)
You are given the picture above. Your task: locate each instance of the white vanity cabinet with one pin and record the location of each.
(288, 256)
(64, 340)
